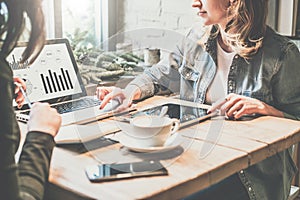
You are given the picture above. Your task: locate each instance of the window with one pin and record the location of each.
(87, 24)
(79, 21)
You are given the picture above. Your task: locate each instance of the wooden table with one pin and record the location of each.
(237, 145)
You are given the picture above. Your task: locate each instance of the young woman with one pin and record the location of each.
(257, 71)
(26, 179)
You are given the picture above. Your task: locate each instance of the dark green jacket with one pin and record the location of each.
(25, 179)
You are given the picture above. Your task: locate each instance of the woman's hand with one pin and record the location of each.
(101, 92)
(19, 96)
(43, 118)
(237, 106)
(124, 96)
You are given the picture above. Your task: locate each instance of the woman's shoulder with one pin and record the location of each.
(277, 44)
(279, 50)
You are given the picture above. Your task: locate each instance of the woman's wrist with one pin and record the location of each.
(271, 111)
(134, 91)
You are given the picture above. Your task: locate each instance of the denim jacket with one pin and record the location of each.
(271, 75)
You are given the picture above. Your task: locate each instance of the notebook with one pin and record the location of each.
(54, 78)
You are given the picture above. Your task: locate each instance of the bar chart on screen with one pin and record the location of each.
(56, 81)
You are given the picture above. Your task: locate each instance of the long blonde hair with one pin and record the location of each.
(247, 26)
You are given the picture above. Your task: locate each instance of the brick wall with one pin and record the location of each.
(154, 23)
(177, 15)
(168, 14)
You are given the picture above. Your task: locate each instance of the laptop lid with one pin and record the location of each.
(53, 77)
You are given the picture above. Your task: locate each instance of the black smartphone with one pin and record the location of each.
(110, 172)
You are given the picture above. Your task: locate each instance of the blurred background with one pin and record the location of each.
(106, 35)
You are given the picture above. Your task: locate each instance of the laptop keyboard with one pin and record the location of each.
(73, 105)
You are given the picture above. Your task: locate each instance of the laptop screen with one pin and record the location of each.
(53, 77)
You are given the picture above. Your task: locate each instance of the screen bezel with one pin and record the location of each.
(67, 97)
(157, 169)
(183, 124)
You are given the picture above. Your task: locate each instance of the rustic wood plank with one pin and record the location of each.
(187, 167)
(202, 160)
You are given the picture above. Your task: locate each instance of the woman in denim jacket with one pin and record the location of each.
(239, 59)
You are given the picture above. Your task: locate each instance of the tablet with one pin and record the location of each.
(187, 114)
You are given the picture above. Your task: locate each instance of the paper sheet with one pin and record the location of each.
(81, 133)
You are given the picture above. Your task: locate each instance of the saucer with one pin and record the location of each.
(128, 142)
(149, 149)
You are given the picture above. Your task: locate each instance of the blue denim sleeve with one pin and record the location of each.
(286, 84)
(160, 78)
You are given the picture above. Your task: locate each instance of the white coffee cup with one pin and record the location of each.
(151, 131)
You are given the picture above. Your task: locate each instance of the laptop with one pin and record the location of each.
(54, 78)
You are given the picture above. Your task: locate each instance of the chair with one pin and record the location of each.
(294, 193)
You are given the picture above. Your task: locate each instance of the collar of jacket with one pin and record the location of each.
(211, 44)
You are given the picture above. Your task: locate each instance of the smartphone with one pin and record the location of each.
(110, 172)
